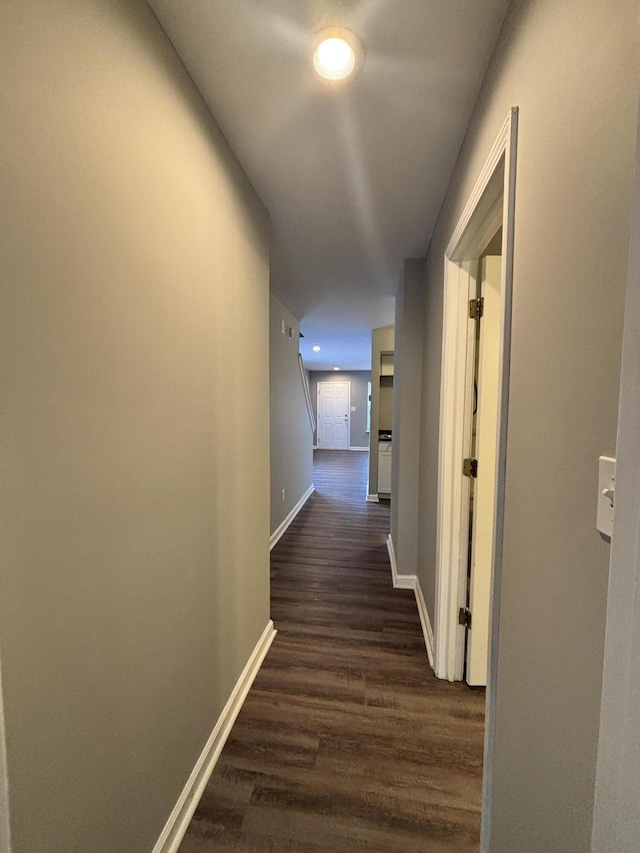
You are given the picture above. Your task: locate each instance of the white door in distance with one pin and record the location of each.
(333, 415)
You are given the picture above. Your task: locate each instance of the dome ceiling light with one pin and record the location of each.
(338, 53)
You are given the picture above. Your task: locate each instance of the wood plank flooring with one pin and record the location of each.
(347, 741)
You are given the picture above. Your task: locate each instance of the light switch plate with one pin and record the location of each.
(606, 492)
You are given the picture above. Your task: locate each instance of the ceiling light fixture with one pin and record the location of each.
(334, 59)
(338, 52)
(316, 348)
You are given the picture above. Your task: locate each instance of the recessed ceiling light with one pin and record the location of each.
(316, 349)
(336, 368)
(337, 54)
(334, 59)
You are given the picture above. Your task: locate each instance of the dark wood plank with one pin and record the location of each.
(347, 741)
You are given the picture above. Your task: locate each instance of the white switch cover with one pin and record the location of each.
(606, 490)
(353, 408)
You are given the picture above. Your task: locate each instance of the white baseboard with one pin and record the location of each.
(373, 499)
(399, 581)
(427, 630)
(178, 822)
(413, 582)
(281, 528)
(360, 448)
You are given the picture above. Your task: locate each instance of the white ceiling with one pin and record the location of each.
(352, 175)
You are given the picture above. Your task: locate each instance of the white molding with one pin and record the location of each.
(453, 488)
(307, 393)
(427, 630)
(5, 825)
(399, 581)
(373, 499)
(484, 179)
(180, 817)
(360, 448)
(413, 582)
(508, 231)
(281, 528)
(493, 193)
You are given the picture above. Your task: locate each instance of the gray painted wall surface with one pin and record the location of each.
(407, 385)
(616, 815)
(429, 440)
(382, 340)
(572, 69)
(291, 434)
(359, 381)
(134, 353)
(5, 840)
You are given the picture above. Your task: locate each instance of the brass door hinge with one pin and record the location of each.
(476, 308)
(470, 467)
(464, 617)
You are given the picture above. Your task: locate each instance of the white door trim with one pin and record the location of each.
(491, 203)
(453, 488)
(346, 382)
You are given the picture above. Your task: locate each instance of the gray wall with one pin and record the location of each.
(407, 382)
(134, 352)
(382, 340)
(359, 381)
(616, 816)
(291, 433)
(572, 69)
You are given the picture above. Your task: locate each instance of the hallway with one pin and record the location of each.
(346, 741)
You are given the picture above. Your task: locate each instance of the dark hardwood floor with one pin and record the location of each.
(347, 741)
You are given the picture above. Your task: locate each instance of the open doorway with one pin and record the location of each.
(473, 430)
(476, 344)
(479, 466)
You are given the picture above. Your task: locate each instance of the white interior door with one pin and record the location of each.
(484, 490)
(333, 415)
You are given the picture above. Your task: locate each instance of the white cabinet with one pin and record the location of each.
(386, 364)
(384, 467)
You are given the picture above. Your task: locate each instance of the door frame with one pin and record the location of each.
(485, 333)
(491, 204)
(346, 382)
